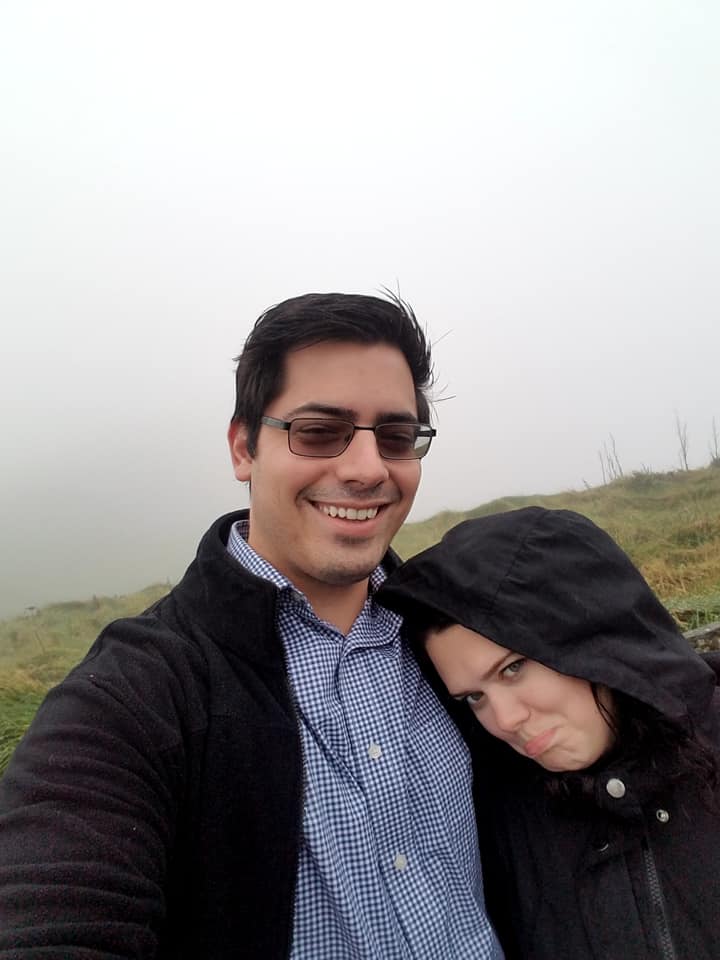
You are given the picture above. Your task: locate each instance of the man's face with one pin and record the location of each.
(292, 496)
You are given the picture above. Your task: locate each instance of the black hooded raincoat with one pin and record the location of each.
(633, 871)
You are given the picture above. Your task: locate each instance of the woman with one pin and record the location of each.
(596, 749)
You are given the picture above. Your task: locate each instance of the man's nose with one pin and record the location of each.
(361, 461)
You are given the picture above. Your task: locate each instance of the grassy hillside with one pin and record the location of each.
(668, 523)
(36, 651)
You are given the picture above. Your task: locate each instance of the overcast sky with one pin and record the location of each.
(539, 180)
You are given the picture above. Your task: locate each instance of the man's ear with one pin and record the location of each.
(241, 459)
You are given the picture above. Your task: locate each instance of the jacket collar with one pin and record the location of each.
(217, 595)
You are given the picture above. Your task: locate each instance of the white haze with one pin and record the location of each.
(539, 180)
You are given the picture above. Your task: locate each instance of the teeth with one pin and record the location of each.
(349, 513)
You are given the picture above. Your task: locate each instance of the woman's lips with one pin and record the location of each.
(539, 744)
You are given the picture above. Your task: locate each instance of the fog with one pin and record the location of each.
(539, 181)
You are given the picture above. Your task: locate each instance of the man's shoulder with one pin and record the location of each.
(174, 634)
(141, 665)
(216, 607)
(149, 636)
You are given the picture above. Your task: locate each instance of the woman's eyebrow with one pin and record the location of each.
(493, 669)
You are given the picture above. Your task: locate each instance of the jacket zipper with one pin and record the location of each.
(303, 783)
(667, 950)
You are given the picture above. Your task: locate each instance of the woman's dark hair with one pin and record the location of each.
(646, 739)
(319, 318)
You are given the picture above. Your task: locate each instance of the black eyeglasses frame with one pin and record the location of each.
(422, 430)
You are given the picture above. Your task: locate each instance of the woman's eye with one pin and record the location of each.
(513, 668)
(473, 698)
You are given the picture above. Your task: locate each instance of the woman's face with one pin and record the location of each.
(544, 715)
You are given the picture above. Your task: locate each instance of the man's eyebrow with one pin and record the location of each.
(324, 409)
(346, 413)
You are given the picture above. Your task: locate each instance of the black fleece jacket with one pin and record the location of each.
(629, 872)
(153, 809)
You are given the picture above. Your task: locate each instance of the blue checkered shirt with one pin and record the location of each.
(389, 864)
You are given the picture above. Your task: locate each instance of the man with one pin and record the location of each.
(256, 767)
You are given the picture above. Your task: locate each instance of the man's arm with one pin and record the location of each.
(88, 806)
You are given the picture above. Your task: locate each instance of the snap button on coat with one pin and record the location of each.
(615, 787)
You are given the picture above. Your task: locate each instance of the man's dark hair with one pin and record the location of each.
(318, 318)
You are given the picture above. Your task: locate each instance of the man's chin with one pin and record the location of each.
(345, 573)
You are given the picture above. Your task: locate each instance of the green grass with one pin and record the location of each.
(669, 524)
(38, 650)
(20, 696)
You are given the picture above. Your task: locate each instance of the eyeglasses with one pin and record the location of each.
(318, 437)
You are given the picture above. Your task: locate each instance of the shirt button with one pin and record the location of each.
(616, 788)
(662, 815)
(400, 862)
(374, 751)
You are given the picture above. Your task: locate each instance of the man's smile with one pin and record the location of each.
(348, 513)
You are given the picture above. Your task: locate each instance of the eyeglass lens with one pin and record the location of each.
(329, 438)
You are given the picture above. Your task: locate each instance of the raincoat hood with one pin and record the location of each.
(554, 587)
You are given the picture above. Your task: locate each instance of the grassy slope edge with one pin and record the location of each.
(668, 523)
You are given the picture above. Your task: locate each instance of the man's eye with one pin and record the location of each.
(397, 436)
(400, 434)
(473, 698)
(318, 432)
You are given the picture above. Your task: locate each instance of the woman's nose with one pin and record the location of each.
(509, 711)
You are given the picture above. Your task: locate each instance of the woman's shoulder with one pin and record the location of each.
(712, 724)
(712, 659)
